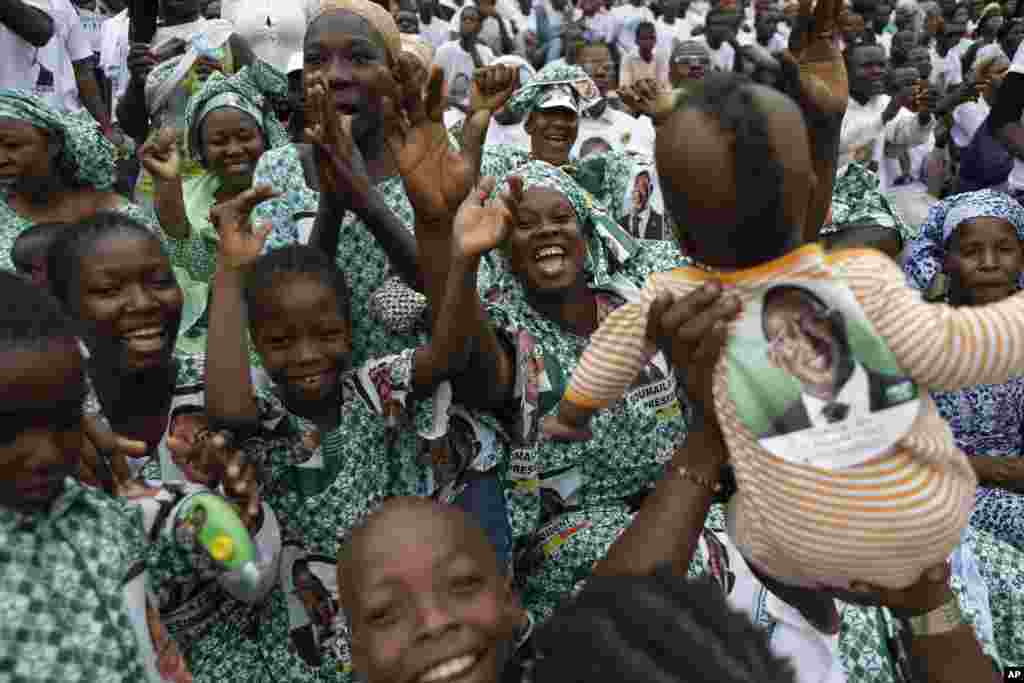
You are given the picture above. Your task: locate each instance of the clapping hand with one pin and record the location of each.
(240, 244)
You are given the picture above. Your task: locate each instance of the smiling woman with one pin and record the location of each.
(54, 168)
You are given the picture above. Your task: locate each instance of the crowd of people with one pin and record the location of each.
(525, 341)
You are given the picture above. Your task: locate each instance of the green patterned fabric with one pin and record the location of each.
(857, 199)
(320, 486)
(554, 76)
(85, 155)
(359, 256)
(62, 577)
(13, 224)
(567, 501)
(608, 175)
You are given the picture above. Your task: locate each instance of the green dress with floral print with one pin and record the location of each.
(13, 224)
(363, 261)
(568, 502)
(320, 486)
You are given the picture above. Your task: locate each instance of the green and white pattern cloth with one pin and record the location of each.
(857, 200)
(62, 575)
(359, 257)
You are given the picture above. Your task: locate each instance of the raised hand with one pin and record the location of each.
(491, 87)
(648, 97)
(160, 155)
(815, 62)
(340, 164)
(101, 443)
(481, 224)
(208, 459)
(437, 178)
(692, 332)
(240, 245)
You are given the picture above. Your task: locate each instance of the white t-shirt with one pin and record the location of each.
(622, 132)
(114, 47)
(603, 25)
(437, 32)
(55, 82)
(490, 31)
(946, 71)
(627, 18)
(274, 29)
(967, 119)
(457, 63)
(92, 24)
(20, 68)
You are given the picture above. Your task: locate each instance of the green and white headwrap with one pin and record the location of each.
(608, 245)
(551, 77)
(245, 91)
(85, 156)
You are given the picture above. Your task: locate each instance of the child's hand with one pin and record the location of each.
(240, 244)
(692, 332)
(209, 460)
(481, 224)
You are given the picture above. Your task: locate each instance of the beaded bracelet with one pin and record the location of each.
(685, 473)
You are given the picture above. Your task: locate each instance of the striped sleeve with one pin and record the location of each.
(941, 347)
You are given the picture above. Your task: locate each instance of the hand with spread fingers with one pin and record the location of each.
(437, 178)
(483, 224)
(340, 164)
(648, 97)
(208, 459)
(241, 244)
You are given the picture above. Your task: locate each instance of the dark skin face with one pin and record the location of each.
(922, 61)
(26, 156)
(766, 27)
(951, 37)
(596, 60)
(881, 18)
(352, 58)
(408, 22)
(304, 341)
(547, 247)
(41, 393)
(671, 10)
(1013, 38)
(645, 41)
(903, 41)
(439, 609)
(233, 144)
(697, 172)
(469, 26)
(867, 72)
(552, 134)
(129, 301)
(688, 68)
(904, 18)
(802, 342)
(719, 27)
(984, 261)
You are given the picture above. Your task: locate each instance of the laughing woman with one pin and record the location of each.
(56, 168)
(229, 128)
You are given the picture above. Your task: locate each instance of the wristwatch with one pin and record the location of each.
(942, 619)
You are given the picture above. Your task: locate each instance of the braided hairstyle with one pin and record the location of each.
(653, 629)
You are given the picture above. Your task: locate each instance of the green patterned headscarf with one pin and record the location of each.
(553, 76)
(608, 245)
(245, 91)
(85, 156)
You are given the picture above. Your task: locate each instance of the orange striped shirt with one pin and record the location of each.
(883, 521)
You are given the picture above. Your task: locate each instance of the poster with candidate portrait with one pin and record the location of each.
(811, 378)
(644, 210)
(317, 627)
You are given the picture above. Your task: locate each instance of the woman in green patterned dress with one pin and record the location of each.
(57, 168)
